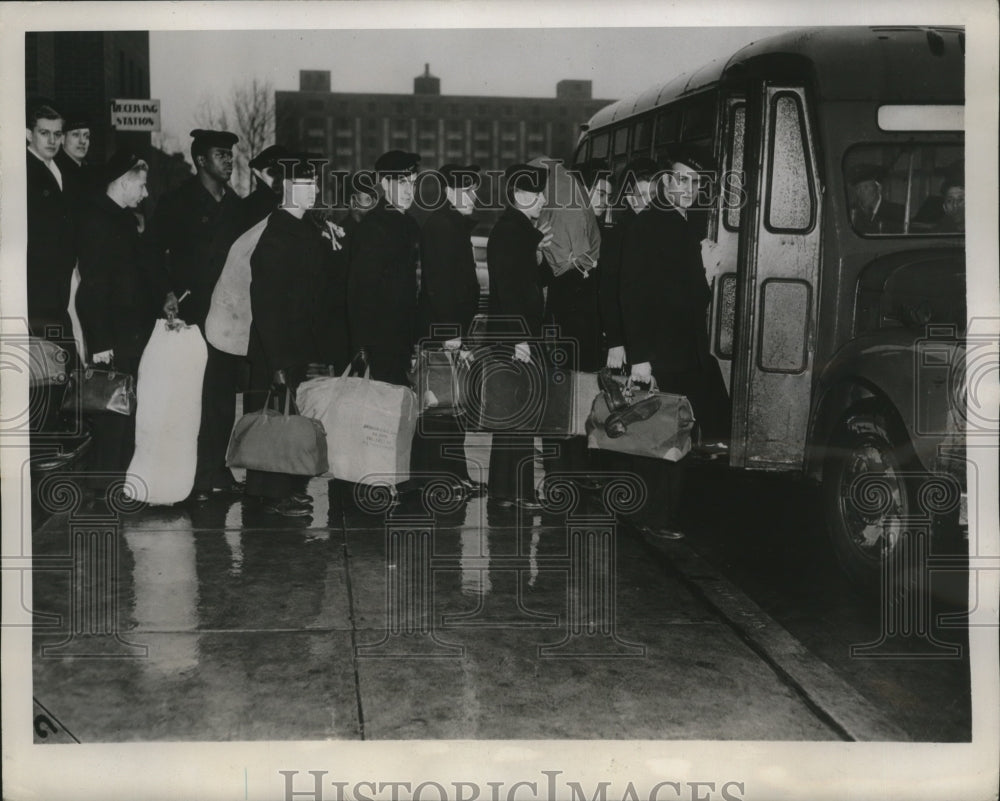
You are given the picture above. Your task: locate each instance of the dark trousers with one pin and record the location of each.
(512, 467)
(569, 456)
(664, 483)
(112, 447)
(218, 415)
(438, 447)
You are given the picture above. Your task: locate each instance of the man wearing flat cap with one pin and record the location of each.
(449, 295)
(190, 235)
(266, 195)
(664, 299)
(119, 296)
(515, 266)
(382, 282)
(72, 156)
(289, 268)
(871, 213)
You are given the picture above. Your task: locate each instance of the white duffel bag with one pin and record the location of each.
(167, 415)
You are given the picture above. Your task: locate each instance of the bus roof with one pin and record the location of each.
(895, 63)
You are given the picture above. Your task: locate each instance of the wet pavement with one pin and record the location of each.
(438, 619)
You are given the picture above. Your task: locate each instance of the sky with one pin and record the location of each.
(190, 67)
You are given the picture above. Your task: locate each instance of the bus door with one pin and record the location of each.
(779, 259)
(720, 258)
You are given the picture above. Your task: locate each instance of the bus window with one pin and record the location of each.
(790, 204)
(906, 190)
(699, 121)
(642, 135)
(727, 315)
(734, 179)
(599, 146)
(619, 151)
(668, 126)
(784, 307)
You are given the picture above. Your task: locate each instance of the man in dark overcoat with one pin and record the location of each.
(51, 229)
(664, 299)
(382, 280)
(449, 296)
(515, 265)
(288, 267)
(80, 177)
(118, 298)
(191, 233)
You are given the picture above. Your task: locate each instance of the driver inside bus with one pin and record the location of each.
(871, 213)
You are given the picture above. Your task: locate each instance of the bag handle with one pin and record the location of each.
(290, 407)
(109, 366)
(348, 371)
(653, 386)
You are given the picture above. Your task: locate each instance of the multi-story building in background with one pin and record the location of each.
(81, 72)
(352, 129)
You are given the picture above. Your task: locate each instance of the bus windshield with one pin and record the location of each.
(907, 189)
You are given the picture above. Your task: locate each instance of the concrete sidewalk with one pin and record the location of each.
(437, 620)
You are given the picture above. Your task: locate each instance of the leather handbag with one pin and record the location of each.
(275, 441)
(96, 389)
(437, 383)
(654, 424)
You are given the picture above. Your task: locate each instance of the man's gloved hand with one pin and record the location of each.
(522, 352)
(453, 344)
(616, 357)
(642, 373)
(279, 378)
(104, 357)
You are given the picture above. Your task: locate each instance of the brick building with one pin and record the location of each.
(352, 129)
(81, 71)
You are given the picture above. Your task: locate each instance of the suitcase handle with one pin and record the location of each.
(289, 403)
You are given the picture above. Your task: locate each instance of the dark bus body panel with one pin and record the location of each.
(840, 336)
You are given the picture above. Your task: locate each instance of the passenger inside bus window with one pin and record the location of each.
(953, 206)
(903, 190)
(871, 211)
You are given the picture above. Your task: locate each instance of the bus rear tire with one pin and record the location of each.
(868, 492)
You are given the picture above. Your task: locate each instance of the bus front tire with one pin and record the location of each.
(868, 492)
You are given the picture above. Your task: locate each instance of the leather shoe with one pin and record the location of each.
(200, 496)
(663, 533)
(525, 504)
(474, 489)
(286, 507)
(301, 498)
(235, 488)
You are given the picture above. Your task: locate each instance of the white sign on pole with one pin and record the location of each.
(135, 115)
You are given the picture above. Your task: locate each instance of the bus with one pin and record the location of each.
(834, 244)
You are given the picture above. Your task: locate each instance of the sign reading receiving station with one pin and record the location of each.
(135, 115)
